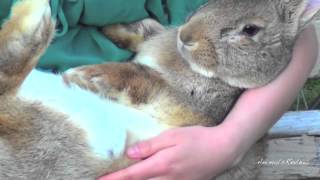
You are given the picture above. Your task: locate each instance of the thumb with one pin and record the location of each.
(149, 147)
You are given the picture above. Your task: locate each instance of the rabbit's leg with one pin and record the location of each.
(130, 36)
(23, 38)
(129, 83)
(137, 86)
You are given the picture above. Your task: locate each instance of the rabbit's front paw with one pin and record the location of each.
(82, 77)
(128, 83)
(95, 79)
(131, 36)
(123, 36)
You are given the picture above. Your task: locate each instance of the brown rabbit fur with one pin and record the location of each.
(181, 77)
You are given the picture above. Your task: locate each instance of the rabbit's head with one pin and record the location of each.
(246, 43)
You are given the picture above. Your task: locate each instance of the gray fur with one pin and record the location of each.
(39, 143)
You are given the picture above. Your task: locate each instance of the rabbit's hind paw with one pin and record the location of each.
(27, 15)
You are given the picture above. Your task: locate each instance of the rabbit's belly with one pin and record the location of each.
(105, 122)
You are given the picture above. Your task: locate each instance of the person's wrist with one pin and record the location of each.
(237, 141)
(229, 143)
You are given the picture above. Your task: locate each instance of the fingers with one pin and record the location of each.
(149, 147)
(154, 166)
(149, 168)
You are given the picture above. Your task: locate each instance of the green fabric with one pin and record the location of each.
(4, 9)
(78, 40)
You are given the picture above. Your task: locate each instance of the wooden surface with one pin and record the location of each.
(294, 158)
(297, 124)
(293, 148)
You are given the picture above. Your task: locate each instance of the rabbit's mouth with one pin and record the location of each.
(185, 50)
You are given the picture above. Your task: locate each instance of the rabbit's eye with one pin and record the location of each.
(250, 30)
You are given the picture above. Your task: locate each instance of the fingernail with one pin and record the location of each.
(133, 152)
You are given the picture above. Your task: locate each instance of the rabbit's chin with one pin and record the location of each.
(198, 68)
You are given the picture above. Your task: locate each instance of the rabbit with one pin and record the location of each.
(39, 140)
(193, 74)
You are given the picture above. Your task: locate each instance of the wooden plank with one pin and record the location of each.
(296, 124)
(294, 158)
(293, 148)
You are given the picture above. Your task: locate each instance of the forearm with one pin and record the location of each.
(258, 109)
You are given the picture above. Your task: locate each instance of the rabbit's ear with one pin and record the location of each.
(297, 13)
(291, 10)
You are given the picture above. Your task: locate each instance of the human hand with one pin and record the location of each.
(192, 153)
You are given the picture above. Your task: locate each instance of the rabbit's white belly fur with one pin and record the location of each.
(148, 60)
(104, 121)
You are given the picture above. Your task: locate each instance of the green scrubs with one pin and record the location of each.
(78, 40)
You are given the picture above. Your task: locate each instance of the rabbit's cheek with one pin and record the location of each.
(205, 58)
(203, 62)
